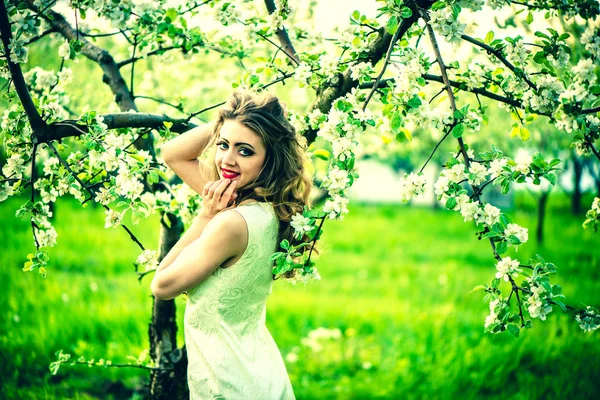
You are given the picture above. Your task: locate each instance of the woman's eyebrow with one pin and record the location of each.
(238, 144)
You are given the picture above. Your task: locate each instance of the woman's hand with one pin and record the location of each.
(217, 196)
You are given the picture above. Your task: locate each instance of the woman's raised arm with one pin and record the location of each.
(181, 155)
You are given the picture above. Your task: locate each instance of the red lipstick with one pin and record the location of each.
(227, 174)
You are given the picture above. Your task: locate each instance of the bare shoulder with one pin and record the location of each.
(229, 223)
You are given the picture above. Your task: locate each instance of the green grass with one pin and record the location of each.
(396, 282)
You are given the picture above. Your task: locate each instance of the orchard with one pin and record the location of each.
(498, 94)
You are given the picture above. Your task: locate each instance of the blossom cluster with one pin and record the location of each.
(497, 307)
(507, 268)
(412, 185)
(148, 260)
(446, 23)
(592, 217)
(536, 304)
(588, 319)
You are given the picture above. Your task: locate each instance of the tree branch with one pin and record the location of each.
(383, 68)
(41, 35)
(282, 35)
(36, 121)
(70, 128)
(112, 77)
(590, 110)
(500, 57)
(90, 191)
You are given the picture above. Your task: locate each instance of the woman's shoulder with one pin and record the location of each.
(261, 210)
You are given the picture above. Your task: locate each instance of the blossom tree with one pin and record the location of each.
(379, 75)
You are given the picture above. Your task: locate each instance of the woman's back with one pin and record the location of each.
(231, 353)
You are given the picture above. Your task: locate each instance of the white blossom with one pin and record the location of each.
(471, 211)
(113, 219)
(523, 161)
(301, 224)
(6, 190)
(497, 167)
(64, 50)
(303, 72)
(518, 231)
(14, 167)
(456, 173)
(536, 306)
(493, 317)
(148, 259)
(507, 267)
(18, 51)
(491, 214)
(336, 206)
(412, 185)
(477, 173)
(46, 237)
(337, 179)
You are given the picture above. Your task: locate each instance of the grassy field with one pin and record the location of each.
(396, 283)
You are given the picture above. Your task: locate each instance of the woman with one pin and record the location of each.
(258, 183)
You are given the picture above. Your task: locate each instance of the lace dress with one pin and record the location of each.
(231, 353)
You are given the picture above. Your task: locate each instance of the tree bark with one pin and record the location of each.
(543, 200)
(168, 381)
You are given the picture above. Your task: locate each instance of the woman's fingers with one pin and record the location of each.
(213, 188)
(220, 189)
(228, 194)
(206, 188)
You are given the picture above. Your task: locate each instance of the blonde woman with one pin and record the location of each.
(256, 183)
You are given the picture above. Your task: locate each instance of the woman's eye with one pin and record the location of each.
(222, 145)
(246, 152)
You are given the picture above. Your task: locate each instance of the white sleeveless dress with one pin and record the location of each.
(231, 353)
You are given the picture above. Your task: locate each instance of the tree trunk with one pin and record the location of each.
(577, 173)
(168, 382)
(539, 234)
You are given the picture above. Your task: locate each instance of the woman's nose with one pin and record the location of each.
(229, 158)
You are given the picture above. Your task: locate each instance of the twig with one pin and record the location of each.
(435, 148)
(590, 110)
(315, 240)
(283, 36)
(177, 107)
(383, 68)
(36, 121)
(33, 225)
(133, 66)
(84, 186)
(500, 57)
(41, 35)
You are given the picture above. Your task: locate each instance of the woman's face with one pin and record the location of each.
(240, 154)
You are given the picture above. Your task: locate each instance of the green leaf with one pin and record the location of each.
(451, 203)
(595, 89)
(396, 122)
(540, 57)
(392, 25)
(489, 37)
(406, 12)
(171, 14)
(501, 247)
(458, 130)
(415, 102)
(285, 244)
(514, 329)
(529, 18)
(322, 154)
(478, 288)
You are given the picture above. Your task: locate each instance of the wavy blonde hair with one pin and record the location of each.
(284, 180)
